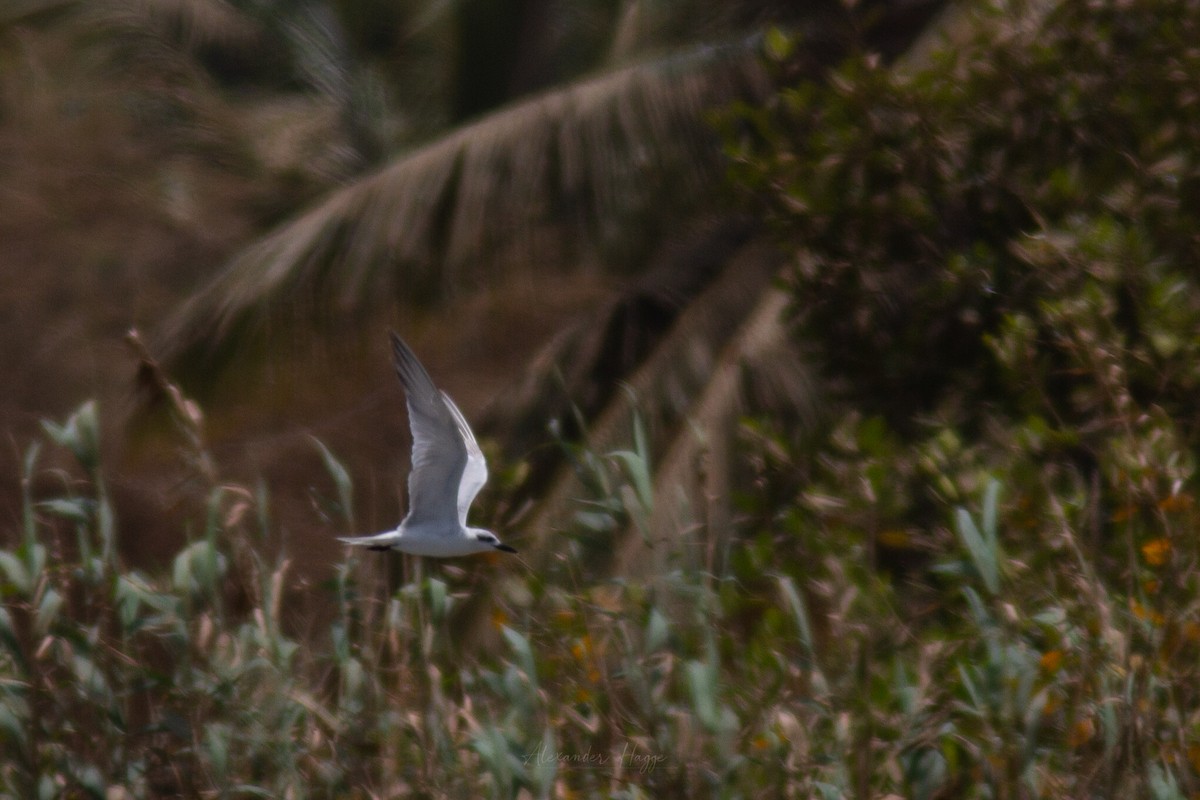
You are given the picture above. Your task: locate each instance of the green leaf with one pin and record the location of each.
(991, 497)
(90, 779)
(341, 479)
(799, 612)
(106, 525)
(1052, 617)
(778, 45)
(8, 637)
(80, 434)
(1163, 784)
(657, 631)
(341, 642)
(35, 558)
(637, 472)
(47, 612)
(493, 748)
(91, 679)
(595, 521)
(544, 769)
(354, 680)
(978, 706)
(76, 509)
(979, 612)
(829, 791)
(524, 653)
(702, 686)
(14, 573)
(983, 556)
(28, 519)
(216, 743)
(439, 602)
(131, 593)
(198, 568)
(637, 512)
(12, 729)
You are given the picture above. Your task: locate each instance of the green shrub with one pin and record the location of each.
(995, 270)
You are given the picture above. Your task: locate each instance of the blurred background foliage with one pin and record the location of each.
(898, 498)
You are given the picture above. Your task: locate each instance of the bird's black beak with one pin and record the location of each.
(505, 548)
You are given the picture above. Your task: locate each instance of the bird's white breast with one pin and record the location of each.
(437, 542)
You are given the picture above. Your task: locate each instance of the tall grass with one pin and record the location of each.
(802, 671)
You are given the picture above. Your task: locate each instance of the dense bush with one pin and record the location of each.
(995, 268)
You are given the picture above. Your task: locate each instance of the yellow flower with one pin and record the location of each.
(1051, 661)
(1143, 613)
(896, 539)
(1193, 754)
(1123, 513)
(1175, 502)
(1082, 732)
(1156, 551)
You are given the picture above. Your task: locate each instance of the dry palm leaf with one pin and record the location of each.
(565, 167)
(669, 383)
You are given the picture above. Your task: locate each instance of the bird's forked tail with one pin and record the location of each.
(378, 541)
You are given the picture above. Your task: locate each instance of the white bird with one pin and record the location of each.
(448, 470)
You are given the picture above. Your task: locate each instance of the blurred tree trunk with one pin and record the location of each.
(499, 45)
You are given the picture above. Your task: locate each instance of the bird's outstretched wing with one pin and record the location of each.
(475, 472)
(445, 457)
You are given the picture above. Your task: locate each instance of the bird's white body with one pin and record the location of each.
(435, 541)
(448, 470)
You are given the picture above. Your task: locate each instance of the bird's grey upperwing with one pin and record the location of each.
(475, 472)
(440, 452)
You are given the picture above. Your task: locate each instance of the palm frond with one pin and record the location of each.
(193, 21)
(575, 377)
(670, 385)
(694, 480)
(22, 12)
(526, 185)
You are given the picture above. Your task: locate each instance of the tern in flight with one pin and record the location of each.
(448, 470)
